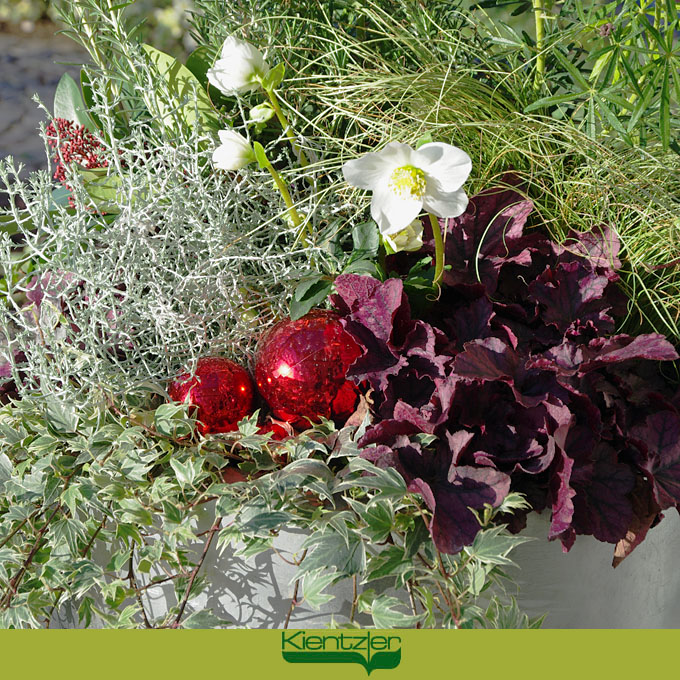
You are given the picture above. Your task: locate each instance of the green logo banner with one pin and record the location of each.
(372, 650)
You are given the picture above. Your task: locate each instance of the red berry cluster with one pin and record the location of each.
(74, 144)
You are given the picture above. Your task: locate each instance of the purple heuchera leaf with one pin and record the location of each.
(487, 235)
(571, 292)
(601, 504)
(515, 373)
(600, 246)
(660, 440)
(8, 387)
(449, 491)
(489, 359)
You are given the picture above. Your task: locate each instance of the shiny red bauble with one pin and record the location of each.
(221, 391)
(301, 368)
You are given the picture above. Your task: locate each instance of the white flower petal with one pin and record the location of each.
(239, 69)
(444, 204)
(237, 49)
(232, 77)
(234, 152)
(372, 169)
(396, 154)
(366, 172)
(447, 164)
(409, 239)
(393, 212)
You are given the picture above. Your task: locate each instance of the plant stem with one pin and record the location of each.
(133, 585)
(540, 38)
(287, 127)
(412, 600)
(213, 530)
(438, 250)
(354, 599)
(454, 607)
(292, 211)
(18, 528)
(293, 601)
(16, 580)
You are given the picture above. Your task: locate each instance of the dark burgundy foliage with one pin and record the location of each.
(516, 373)
(8, 386)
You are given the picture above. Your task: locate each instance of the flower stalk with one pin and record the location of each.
(438, 250)
(287, 127)
(293, 214)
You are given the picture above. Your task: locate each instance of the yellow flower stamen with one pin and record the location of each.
(408, 180)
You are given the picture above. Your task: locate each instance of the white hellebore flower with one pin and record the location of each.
(409, 239)
(234, 152)
(239, 69)
(406, 180)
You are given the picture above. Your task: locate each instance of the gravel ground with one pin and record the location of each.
(31, 64)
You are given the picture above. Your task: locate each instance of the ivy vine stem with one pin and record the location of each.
(213, 530)
(296, 590)
(15, 582)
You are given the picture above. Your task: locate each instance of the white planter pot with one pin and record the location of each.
(249, 593)
(580, 589)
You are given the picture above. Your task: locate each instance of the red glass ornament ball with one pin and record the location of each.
(221, 391)
(301, 368)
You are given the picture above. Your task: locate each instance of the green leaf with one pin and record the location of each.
(415, 538)
(572, 69)
(550, 101)
(264, 522)
(199, 62)
(329, 549)
(68, 103)
(312, 586)
(172, 513)
(425, 139)
(203, 619)
(186, 473)
(380, 519)
(69, 530)
(477, 573)
(260, 156)
(170, 420)
(70, 497)
(61, 416)
(601, 63)
(189, 99)
(366, 240)
(274, 78)
(86, 87)
(389, 561)
(491, 546)
(308, 294)
(306, 467)
(611, 118)
(5, 468)
(59, 198)
(386, 615)
(102, 188)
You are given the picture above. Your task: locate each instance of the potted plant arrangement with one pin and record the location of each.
(237, 394)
